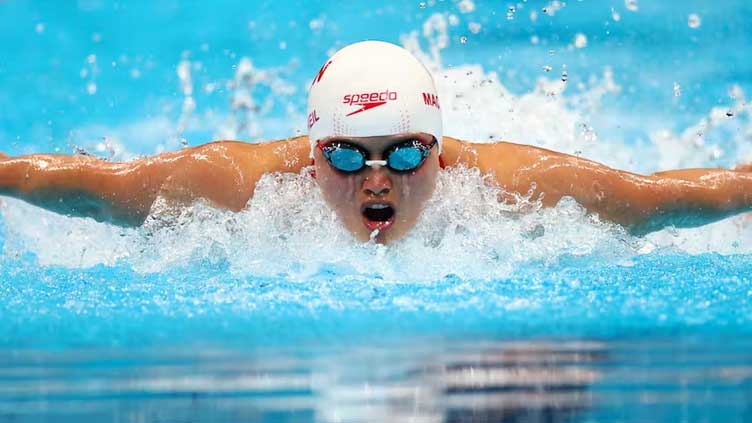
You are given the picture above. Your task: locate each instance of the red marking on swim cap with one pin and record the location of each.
(312, 119)
(442, 164)
(367, 106)
(431, 100)
(321, 72)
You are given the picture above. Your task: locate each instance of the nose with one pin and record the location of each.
(377, 182)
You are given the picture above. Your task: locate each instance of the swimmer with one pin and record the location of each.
(376, 143)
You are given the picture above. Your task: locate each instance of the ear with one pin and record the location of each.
(313, 169)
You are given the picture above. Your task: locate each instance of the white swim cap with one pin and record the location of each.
(373, 88)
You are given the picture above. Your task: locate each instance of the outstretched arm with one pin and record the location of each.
(224, 173)
(642, 203)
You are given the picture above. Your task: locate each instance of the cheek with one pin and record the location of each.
(336, 188)
(417, 188)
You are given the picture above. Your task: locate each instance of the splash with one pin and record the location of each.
(287, 229)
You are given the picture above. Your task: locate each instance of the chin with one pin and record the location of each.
(387, 236)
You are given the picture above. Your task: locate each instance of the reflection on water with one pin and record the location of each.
(423, 381)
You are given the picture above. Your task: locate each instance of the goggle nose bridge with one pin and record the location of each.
(373, 163)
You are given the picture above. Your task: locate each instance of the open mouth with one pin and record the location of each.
(377, 215)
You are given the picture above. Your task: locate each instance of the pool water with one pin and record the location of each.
(482, 313)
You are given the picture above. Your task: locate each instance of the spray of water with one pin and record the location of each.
(287, 229)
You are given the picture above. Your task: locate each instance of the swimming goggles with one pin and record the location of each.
(403, 156)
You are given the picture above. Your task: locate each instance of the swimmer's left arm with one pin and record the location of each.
(642, 203)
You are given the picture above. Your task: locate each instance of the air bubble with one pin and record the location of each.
(463, 40)
(547, 68)
(474, 27)
(631, 5)
(729, 113)
(677, 89)
(422, 5)
(510, 13)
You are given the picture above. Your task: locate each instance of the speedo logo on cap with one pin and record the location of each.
(368, 101)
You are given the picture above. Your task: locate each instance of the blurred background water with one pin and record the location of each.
(274, 314)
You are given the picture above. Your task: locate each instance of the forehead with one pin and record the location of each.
(380, 142)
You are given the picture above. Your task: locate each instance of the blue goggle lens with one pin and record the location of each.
(405, 158)
(345, 159)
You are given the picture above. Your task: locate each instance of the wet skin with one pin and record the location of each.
(225, 174)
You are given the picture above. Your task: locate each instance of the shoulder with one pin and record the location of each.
(490, 154)
(268, 155)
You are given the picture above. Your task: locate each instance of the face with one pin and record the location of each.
(378, 200)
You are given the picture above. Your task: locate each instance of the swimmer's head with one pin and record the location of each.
(368, 101)
(372, 88)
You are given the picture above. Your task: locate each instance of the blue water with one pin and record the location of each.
(98, 324)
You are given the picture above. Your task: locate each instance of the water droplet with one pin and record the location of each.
(547, 68)
(474, 27)
(466, 6)
(693, 21)
(615, 15)
(631, 5)
(510, 13)
(580, 40)
(91, 88)
(730, 113)
(551, 52)
(463, 40)
(533, 16)
(91, 59)
(422, 5)
(677, 90)
(534, 39)
(553, 7)
(316, 24)
(564, 74)
(183, 142)
(39, 28)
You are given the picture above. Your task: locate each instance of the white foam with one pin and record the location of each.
(288, 230)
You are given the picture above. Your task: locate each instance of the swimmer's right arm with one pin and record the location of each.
(223, 173)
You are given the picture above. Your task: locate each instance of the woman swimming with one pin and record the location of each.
(375, 137)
